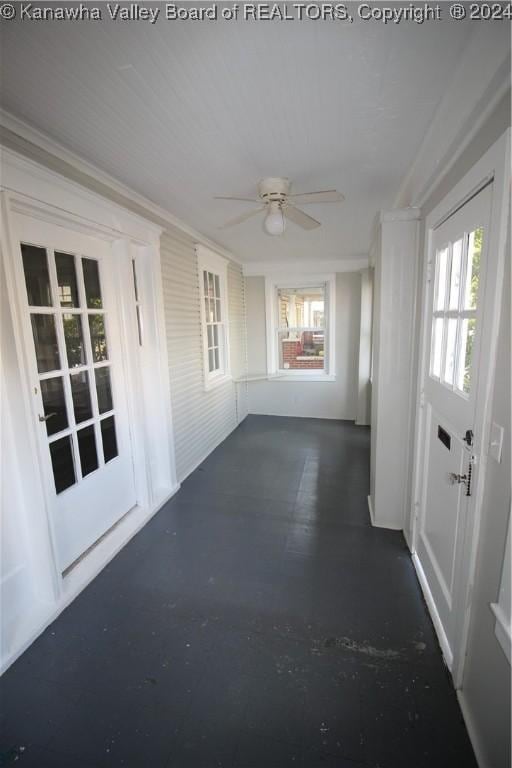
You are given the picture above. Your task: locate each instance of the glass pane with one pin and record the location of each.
(466, 355)
(92, 283)
(98, 338)
(37, 280)
(473, 270)
(451, 340)
(301, 351)
(211, 360)
(81, 396)
(442, 274)
(73, 334)
(302, 307)
(87, 449)
(103, 389)
(205, 282)
(437, 347)
(217, 359)
(66, 280)
(108, 434)
(215, 335)
(135, 281)
(45, 342)
(219, 317)
(455, 275)
(61, 453)
(210, 335)
(54, 405)
(211, 289)
(217, 287)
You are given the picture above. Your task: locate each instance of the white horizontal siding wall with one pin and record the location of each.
(202, 419)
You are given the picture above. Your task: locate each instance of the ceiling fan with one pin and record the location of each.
(280, 205)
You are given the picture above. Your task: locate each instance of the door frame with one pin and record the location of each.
(492, 166)
(31, 189)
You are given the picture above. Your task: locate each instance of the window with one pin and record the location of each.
(457, 273)
(214, 316)
(300, 329)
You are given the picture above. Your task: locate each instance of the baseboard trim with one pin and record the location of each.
(408, 540)
(84, 572)
(211, 450)
(427, 594)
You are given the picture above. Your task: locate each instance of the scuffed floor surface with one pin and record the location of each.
(257, 621)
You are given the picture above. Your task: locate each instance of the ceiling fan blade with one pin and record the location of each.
(327, 196)
(242, 217)
(243, 199)
(300, 218)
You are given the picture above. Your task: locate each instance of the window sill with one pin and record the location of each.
(217, 382)
(301, 376)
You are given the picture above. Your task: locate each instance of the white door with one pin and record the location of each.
(455, 370)
(72, 334)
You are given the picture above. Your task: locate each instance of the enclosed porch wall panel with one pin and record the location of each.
(201, 418)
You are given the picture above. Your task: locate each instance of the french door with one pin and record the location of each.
(73, 340)
(456, 364)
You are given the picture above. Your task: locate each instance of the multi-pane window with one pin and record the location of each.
(213, 320)
(301, 328)
(69, 329)
(457, 275)
(212, 279)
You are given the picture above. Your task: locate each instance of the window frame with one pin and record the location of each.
(209, 261)
(272, 286)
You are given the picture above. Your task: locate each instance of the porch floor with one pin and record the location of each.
(258, 621)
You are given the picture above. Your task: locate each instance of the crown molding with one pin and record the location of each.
(293, 268)
(22, 130)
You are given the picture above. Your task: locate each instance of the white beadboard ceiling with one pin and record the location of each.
(181, 111)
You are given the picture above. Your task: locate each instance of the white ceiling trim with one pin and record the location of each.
(296, 267)
(44, 142)
(479, 83)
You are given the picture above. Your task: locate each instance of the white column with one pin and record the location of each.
(396, 259)
(365, 349)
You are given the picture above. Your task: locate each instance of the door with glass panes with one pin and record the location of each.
(455, 367)
(72, 334)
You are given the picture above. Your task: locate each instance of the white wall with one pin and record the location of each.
(324, 400)
(202, 419)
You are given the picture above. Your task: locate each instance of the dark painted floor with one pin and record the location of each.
(257, 622)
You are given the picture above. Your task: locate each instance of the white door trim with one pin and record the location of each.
(494, 165)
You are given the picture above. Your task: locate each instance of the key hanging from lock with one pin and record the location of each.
(470, 475)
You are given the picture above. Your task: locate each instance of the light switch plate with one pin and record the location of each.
(496, 442)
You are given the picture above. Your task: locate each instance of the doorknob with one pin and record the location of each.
(48, 416)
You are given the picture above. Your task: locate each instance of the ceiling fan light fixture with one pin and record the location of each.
(274, 223)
